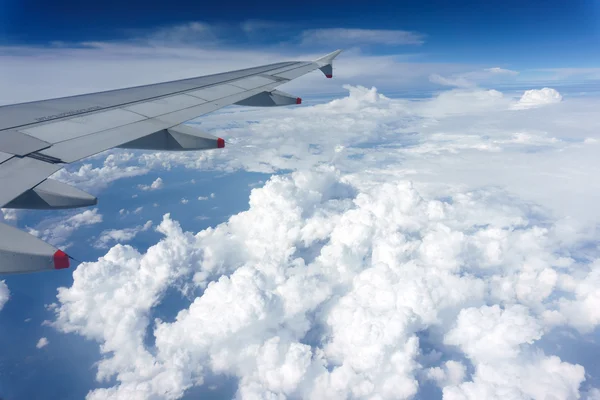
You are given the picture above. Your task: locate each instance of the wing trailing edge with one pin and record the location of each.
(53, 195)
(273, 98)
(178, 138)
(21, 253)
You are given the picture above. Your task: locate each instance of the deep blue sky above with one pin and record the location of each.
(540, 33)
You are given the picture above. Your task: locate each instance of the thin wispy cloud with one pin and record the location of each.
(353, 37)
(473, 78)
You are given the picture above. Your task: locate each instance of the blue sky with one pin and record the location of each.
(528, 34)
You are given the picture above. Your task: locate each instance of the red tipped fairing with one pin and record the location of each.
(61, 260)
(21, 252)
(220, 143)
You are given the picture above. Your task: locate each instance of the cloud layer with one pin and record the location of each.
(356, 37)
(406, 249)
(331, 292)
(112, 236)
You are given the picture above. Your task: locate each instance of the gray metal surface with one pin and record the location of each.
(17, 115)
(51, 195)
(20, 144)
(178, 138)
(5, 156)
(38, 138)
(21, 252)
(270, 99)
(18, 175)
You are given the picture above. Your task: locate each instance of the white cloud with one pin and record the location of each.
(191, 33)
(472, 78)
(460, 81)
(57, 230)
(487, 334)
(449, 374)
(184, 201)
(8, 214)
(355, 37)
(502, 71)
(538, 97)
(202, 198)
(43, 342)
(138, 210)
(4, 294)
(330, 283)
(87, 177)
(157, 184)
(212, 195)
(112, 236)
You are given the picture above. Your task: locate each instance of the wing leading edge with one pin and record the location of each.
(39, 138)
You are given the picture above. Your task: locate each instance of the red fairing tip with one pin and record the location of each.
(329, 76)
(298, 100)
(220, 143)
(61, 260)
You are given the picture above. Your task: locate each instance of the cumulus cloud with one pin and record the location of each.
(155, 185)
(331, 286)
(353, 37)
(43, 342)
(202, 198)
(57, 230)
(112, 236)
(537, 97)
(86, 176)
(184, 201)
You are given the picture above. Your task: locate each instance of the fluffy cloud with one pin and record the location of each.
(86, 176)
(415, 241)
(328, 293)
(157, 184)
(112, 236)
(43, 342)
(538, 97)
(57, 230)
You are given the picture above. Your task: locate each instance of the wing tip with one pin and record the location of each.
(328, 58)
(61, 260)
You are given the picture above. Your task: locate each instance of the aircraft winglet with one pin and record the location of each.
(325, 62)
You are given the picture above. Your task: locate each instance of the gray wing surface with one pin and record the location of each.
(39, 138)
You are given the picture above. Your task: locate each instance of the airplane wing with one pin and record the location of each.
(39, 138)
